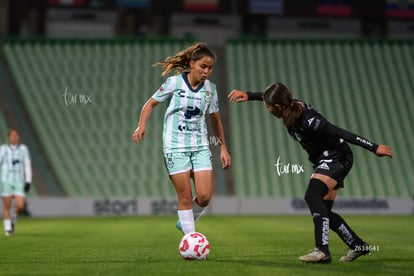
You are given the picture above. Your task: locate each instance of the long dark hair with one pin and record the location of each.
(180, 62)
(278, 93)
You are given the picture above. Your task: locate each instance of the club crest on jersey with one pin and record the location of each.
(170, 162)
(207, 97)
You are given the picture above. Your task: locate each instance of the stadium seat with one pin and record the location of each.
(3, 129)
(89, 143)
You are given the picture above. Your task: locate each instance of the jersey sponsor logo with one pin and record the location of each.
(191, 111)
(15, 161)
(191, 126)
(187, 128)
(193, 98)
(323, 166)
(181, 93)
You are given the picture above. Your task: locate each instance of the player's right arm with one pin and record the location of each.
(139, 132)
(239, 96)
(1, 154)
(161, 95)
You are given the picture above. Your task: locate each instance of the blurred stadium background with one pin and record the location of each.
(75, 73)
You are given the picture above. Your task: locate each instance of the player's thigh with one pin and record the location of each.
(330, 183)
(203, 173)
(181, 182)
(203, 182)
(7, 201)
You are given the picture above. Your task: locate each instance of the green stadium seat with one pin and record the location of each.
(3, 129)
(90, 144)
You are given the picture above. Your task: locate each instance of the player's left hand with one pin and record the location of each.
(237, 96)
(225, 159)
(383, 150)
(26, 187)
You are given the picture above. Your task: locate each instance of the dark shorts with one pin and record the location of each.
(335, 164)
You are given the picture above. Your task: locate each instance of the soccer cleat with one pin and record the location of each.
(8, 233)
(316, 256)
(179, 227)
(352, 254)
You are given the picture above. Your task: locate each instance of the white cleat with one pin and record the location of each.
(316, 256)
(351, 254)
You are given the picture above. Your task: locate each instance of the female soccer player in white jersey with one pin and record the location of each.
(16, 176)
(190, 96)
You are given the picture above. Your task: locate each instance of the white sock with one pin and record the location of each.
(7, 225)
(187, 220)
(198, 211)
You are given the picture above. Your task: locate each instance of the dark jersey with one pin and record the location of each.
(317, 135)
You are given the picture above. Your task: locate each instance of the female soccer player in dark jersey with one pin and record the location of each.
(332, 159)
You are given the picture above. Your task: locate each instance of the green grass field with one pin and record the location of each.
(253, 245)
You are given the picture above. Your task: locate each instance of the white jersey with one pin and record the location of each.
(15, 163)
(185, 127)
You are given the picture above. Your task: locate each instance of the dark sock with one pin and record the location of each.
(347, 235)
(314, 198)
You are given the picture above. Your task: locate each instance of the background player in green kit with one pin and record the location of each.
(15, 178)
(190, 96)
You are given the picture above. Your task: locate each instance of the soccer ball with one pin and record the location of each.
(194, 246)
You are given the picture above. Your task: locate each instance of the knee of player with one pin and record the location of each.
(203, 200)
(19, 207)
(316, 190)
